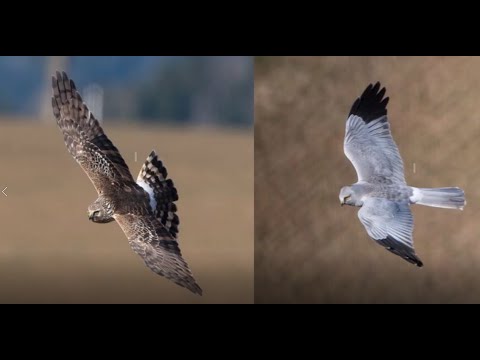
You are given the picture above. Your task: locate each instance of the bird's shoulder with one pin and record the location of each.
(130, 198)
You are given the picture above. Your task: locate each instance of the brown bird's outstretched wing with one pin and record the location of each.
(149, 238)
(85, 139)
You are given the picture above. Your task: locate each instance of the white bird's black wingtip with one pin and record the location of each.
(399, 249)
(371, 104)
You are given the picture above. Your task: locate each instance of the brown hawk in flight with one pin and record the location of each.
(144, 209)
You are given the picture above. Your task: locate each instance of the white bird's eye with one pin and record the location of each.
(347, 197)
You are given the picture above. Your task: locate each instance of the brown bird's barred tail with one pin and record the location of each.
(154, 174)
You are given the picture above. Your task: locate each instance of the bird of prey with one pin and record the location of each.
(381, 192)
(145, 209)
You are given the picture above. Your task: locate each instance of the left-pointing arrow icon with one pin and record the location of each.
(3, 191)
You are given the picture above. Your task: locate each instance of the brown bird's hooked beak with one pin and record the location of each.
(90, 215)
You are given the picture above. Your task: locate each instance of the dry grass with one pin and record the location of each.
(51, 253)
(308, 248)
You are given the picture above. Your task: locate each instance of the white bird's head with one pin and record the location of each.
(349, 197)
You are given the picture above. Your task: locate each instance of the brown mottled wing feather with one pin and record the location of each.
(85, 138)
(153, 242)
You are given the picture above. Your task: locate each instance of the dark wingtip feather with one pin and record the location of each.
(196, 289)
(370, 105)
(413, 260)
(397, 248)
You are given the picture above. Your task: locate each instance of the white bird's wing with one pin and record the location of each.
(390, 224)
(368, 141)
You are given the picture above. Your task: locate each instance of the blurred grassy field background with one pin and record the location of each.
(308, 249)
(51, 253)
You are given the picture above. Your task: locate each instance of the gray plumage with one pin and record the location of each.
(381, 190)
(144, 209)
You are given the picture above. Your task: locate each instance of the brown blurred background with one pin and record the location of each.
(308, 249)
(51, 253)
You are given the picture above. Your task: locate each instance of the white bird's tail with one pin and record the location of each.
(448, 197)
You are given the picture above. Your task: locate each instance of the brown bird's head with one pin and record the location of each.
(100, 211)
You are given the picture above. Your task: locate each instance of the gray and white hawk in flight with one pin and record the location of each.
(145, 208)
(381, 192)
